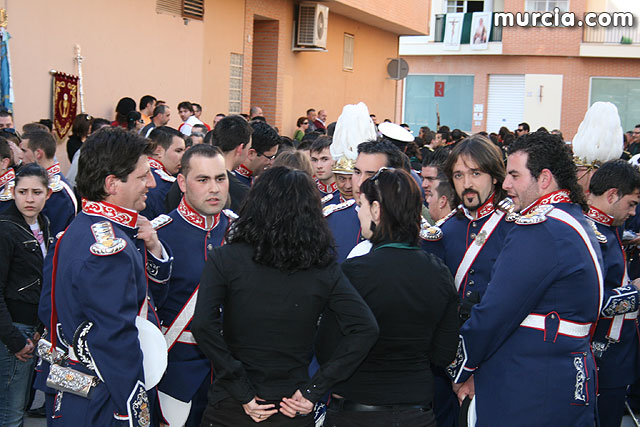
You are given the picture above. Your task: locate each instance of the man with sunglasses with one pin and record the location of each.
(523, 129)
(264, 146)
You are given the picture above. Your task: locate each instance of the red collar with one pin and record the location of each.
(157, 165)
(194, 218)
(53, 170)
(244, 171)
(8, 176)
(560, 196)
(115, 213)
(487, 208)
(598, 216)
(326, 188)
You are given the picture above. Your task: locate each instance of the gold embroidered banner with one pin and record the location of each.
(65, 91)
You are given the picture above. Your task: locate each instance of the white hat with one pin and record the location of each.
(353, 127)
(599, 137)
(394, 131)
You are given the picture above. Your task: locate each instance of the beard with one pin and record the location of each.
(466, 204)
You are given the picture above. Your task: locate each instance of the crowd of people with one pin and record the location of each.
(351, 275)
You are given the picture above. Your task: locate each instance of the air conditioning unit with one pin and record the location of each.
(313, 19)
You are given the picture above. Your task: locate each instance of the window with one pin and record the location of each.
(235, 84)
(192, 9)
(546, 5)
(454, 6)
(347, 57)
(464, 6)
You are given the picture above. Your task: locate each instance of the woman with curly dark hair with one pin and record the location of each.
(272, 279)
(412, 295)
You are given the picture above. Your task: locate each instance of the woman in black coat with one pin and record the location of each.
(24, 240)
(412, 295)
(259, 301)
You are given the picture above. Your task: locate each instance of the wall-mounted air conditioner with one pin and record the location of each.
(313, 19)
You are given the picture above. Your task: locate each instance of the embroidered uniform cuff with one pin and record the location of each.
(624, 300)
(138, 407)
(457, 370)
(159, 269)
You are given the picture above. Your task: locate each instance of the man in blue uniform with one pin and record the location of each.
(264, 146)
(469, 239)
(343, 217)
(196, 227)
(7, 175)
(40, 147)
(322, 163)
(527, 343)
(165, 164)
(615, 193)
(102, 301)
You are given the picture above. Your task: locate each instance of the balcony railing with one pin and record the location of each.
(614, 35)
(495, 36)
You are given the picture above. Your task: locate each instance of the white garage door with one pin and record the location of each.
(506, 101)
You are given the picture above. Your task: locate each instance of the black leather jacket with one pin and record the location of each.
(21, 264)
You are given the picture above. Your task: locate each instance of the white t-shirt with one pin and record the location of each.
(186, 127)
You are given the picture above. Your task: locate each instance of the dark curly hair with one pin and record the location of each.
(109, 151)
(548, 151)
(282, 219)
(400, 205)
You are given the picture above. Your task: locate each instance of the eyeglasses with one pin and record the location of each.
(306, 123)
(267, 157)
(197, 134)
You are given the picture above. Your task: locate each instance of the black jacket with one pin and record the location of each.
(20, 275)
(412, 295)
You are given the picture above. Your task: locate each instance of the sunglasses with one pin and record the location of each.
(267, 157)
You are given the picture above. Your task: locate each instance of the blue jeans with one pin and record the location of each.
(15, 380)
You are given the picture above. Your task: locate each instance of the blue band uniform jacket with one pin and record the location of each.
(191, 240)
(344, 225)
(528, 341)
(615, 345)
(457, 232)
(62, 206)
(101, 286)
(157, 195)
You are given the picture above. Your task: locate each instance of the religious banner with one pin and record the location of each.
(65, 91)
(453, 31)
(480, 30)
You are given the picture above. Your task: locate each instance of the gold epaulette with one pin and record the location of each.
(230, 214)
(431, 233)
(329, 209)
(536, 216)
(106, 241)
(160, 221)
(326, 198)
(602, 239)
